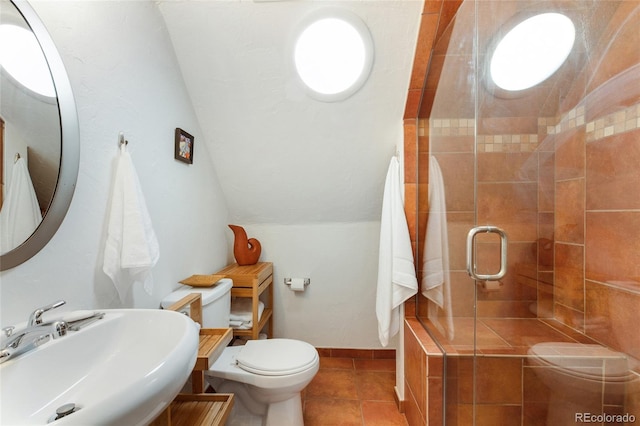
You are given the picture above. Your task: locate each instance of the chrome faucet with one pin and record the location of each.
(23, 342)
(36, 316)
(36, 332)
(33, 335)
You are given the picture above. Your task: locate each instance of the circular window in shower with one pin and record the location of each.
(532, 51)
(333, 55)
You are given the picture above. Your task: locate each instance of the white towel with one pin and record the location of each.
(396, 271)
(436, 281)
(241, 310)
(20, 214)
(131, 249)
(241, 325)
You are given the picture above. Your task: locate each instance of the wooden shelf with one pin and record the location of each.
(198, 408)
(251, 281)
(212, 340)
(248, 275)
(212, 343)
(249, 291)
(266, 316)
(204, 409)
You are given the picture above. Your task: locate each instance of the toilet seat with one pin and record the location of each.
(276, 357)
(579, 359)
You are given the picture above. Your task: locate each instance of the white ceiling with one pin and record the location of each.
(281, 156)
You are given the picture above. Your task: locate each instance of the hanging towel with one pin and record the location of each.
(396, 271)
(20, 214)
(131, 249)
(436, 281)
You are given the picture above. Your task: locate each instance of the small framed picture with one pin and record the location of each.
(184, 146)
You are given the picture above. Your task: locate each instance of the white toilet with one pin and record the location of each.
(216, 302)
(266, 376)
(579, 378)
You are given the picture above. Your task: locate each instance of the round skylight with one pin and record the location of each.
(24, 61)
(532, 51)
(333, 56)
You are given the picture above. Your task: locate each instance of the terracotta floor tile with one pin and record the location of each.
(375, 386)
(330, 383)
(375, 364)
(352, 391)
(334, 412)
(379, 413)
(339, 363)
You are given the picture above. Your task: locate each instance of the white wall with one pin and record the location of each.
(305, 176)
(125, 78)
(283, 156)
(338, 308)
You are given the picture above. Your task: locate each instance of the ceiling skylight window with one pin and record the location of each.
(532, 51)
(333, 55)
(23, 59)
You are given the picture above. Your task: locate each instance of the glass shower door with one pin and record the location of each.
(555, 167)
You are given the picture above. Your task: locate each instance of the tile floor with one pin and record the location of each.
(352, 391)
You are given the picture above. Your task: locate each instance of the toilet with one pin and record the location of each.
(216, 302)
(266, 376)
(580, 377)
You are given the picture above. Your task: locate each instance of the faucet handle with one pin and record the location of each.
(36, 316)
(8, 331)
(59, 329)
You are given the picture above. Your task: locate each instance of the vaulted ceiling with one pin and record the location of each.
(280, 155)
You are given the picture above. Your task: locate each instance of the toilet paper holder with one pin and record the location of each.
(307, 281)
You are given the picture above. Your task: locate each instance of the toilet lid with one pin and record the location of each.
(276, 357)
(579, 359)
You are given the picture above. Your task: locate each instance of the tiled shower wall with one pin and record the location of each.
(423, 395)
(586, 182)
(528, 163)
(596, 157)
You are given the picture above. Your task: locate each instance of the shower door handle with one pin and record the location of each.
(471, 257)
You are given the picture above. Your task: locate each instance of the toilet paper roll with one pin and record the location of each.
(297, 284)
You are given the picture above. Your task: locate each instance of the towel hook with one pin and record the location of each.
(121, 139)
(16, 158)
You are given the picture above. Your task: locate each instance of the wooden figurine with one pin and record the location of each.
(246, 251)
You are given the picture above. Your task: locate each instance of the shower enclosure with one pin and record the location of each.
(534, 189)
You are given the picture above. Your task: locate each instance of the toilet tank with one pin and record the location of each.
(216, 302)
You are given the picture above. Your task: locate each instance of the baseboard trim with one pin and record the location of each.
(357, 353)
(398, 400)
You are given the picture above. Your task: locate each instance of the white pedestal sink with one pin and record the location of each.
(123, 369)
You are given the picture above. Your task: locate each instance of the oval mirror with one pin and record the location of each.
(39, 135)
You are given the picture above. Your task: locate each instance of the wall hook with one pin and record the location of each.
(121, 139)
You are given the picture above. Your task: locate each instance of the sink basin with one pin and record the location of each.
(123, 369)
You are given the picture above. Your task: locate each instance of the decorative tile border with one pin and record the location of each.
(609, 125)
(555, 125)
(507, 143)
(486, 143)
(423, 128)
(615, 123)
(452, 127)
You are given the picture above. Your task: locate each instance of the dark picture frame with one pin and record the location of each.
(183, 146)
